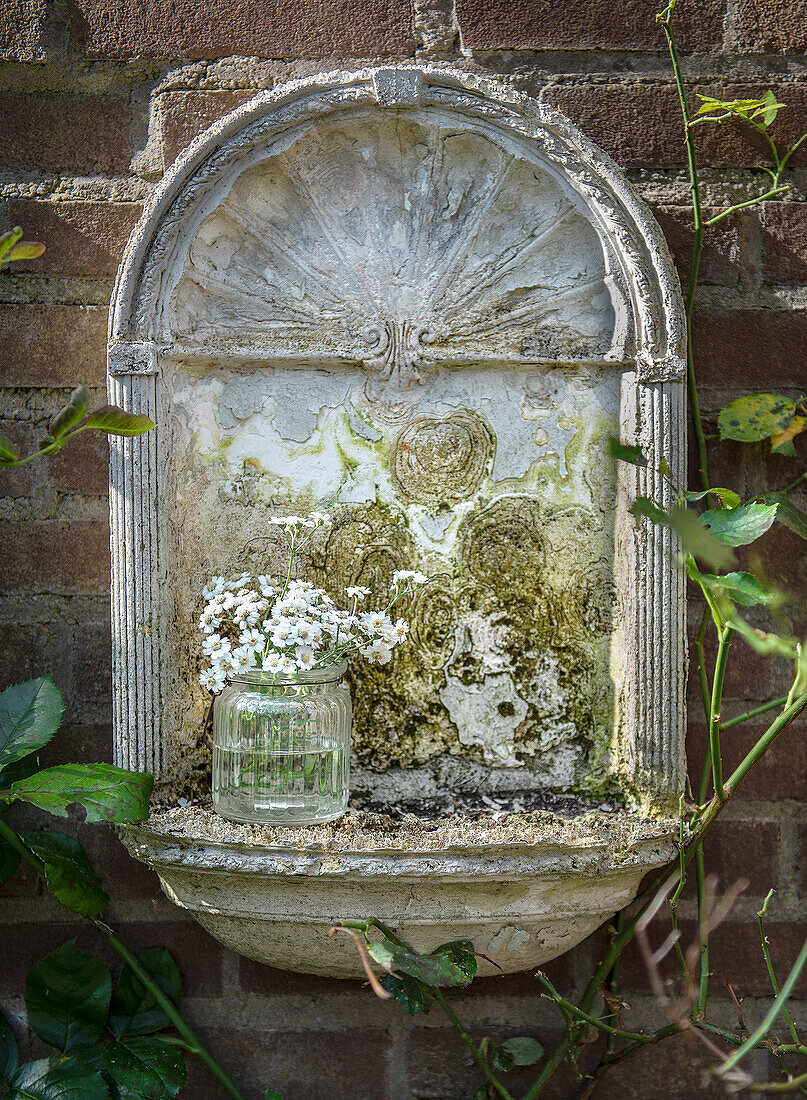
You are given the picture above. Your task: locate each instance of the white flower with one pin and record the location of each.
(408, 575)
(213, 680)
(209, 620)
(287, 666)
(283, 634)
(320, 518)
(243, 658)
(215, 643)
(357, 592)
(305, 657)
(379, 653)
(273, 662)
(214, 587)
(252, 638)
(304, 631)
(374, 622)
(397, 632)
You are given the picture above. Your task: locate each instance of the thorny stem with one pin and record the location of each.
(697, 217)
(194, 1044)
(753, 713)
(769, 964)
(724, 642)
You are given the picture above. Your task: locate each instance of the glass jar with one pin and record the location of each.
(281, 747)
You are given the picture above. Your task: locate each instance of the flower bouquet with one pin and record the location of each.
(276, 652)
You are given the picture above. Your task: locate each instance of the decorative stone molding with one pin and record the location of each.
(425, 301)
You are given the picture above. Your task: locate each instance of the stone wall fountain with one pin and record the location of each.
(423, 303)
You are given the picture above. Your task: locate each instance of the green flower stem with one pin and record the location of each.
(724, 642)
(774, 191)
(170, 1010)
(194, 1044)
(775, 1010)
(561, 1002)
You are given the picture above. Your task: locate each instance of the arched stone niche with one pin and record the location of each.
(423, 302)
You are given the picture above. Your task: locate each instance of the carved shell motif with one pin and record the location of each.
(399, 242)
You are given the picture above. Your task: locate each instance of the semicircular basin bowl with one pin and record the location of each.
(524, 888)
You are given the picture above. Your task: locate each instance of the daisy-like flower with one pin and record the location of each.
(243, 658)
(304, 631)
(357, 592)
(213, 680)
(379, 653)
(397, 632)
(215, 643)
(209, 620)
(273, 662)
(287, 666)
(305, 657)
(214, 587)
(321, 519)
(373, 622)
(252, 638)
(283, 634)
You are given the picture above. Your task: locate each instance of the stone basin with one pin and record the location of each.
(523, 887)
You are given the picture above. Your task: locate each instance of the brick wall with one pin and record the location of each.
(96, 100)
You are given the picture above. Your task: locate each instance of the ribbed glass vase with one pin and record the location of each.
(281, 747)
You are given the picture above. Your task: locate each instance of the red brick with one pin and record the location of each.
(784, 242)
(222, 28)
(719, 259)
(16, 481)
(750, 349)
(82, 238)
(53, 345)
(256, 978)
(29, 650)
(768, 26)
(640, 124)
(58, 132)
(91, 662)
(301, 1065)
(671, 1069)
(55, 557)
(743, 850)
(83, 465)
(77, 742)
(197, 954)
(184, 115)
(780, 773)
(584, 25)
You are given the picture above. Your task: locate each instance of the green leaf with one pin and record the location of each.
(20, 769)
(434, 970)
(741, 525)
(741, 588)
(67, 997)
(695, 538)
(133, 1010)
(461, 953)
(107, 793)
(115, 421)
(407, 991)
(146, 1068)
(727, 497)
(271, 1094)
(499, 1058)
(769, 645)
(9, 455)
(755, 417)
(7, 242)
(626, 452)
(788, 514)
(25, 250)
(523, 1050)
(69, 873)
(782, 442)
(771, 107)
(30, 714)
(9, 860)
(57, 1079)
(9, 1051)
(72, 414)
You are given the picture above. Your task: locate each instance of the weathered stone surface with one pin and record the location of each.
(423, 304)
(22, 23)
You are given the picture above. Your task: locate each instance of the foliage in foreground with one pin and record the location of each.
(712, 524)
